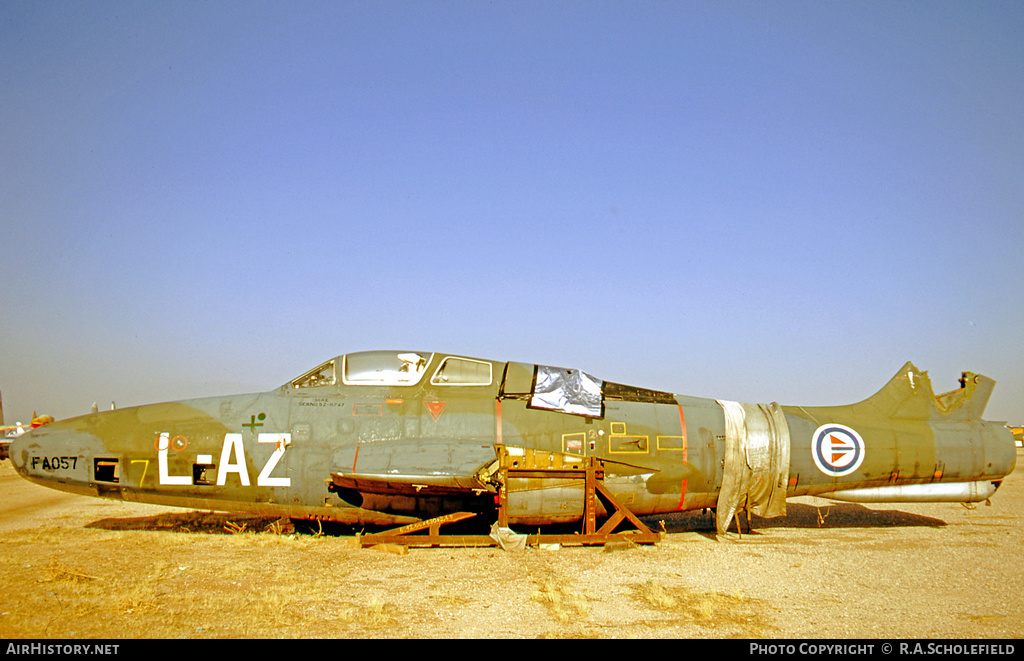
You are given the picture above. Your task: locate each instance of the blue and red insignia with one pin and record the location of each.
(837, 449)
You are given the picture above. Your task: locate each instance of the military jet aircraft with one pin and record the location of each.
(401, 436)
(9, 432)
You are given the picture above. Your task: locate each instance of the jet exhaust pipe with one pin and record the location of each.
(945, 492)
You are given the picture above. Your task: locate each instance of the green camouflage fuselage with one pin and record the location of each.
(416, 437)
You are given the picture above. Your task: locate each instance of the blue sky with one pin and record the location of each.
(759, 201)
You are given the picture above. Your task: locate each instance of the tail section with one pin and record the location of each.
(915, 446)
(909, 396)
(967, 402)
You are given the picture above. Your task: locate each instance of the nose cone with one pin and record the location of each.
(57, 456)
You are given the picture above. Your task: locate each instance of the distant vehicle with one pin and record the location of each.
(400, 436)
(1018, 435)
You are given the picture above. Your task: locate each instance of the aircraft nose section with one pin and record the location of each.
(58, 456)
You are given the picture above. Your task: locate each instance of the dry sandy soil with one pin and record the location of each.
(78, 567)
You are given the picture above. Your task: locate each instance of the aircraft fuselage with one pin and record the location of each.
(379, 437)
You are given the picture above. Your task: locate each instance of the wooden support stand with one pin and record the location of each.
(588, 469)
(410, 535)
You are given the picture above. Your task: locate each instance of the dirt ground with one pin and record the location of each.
(76, 567)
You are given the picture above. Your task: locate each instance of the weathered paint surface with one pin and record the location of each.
(397, 436)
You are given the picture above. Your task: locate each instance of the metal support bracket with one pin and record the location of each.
(589, 469)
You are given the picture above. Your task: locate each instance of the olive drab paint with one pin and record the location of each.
(400, 436)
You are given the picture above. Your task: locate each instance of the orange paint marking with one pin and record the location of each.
(435, 408)
(682, 425)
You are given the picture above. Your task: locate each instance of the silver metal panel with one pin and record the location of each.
(567, 391)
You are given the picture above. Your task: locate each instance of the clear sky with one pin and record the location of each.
(757, 201)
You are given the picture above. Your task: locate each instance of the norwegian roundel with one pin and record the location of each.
(837, 449)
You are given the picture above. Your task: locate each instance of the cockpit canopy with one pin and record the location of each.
(384, 368)
(395, 368)
(321, 375)
(543, 387)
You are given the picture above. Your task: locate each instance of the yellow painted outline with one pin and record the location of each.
(619, 435)
(639, 440)
(581, 436)
(680, 439)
